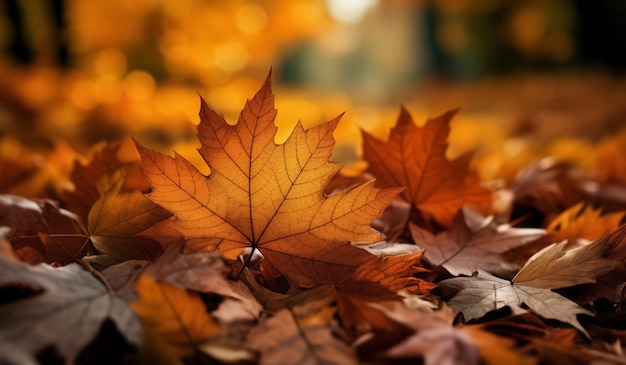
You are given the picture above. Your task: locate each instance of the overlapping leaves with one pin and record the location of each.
(122, 274)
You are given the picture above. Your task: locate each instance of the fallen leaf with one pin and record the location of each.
(473, 244)
(433, 339)
(40, 231)
(583, 221)
(544, 189)
(116, 217)
(550, 268)
(176, 319)
(204, 272)
(299, 338)
(267, 196)
(274, 302)
(395, 273)
(415, 157)
(554, 268)
(381, 280)
(66, 314)
(479, 295)
(358, 316)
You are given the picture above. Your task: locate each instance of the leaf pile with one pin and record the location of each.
(148, 260)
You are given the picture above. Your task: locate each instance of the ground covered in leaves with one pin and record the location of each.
(278, 256)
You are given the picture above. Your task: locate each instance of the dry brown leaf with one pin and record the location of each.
(474, 244)
(293, 337)
(66, 314)
(547, 187)
(415, 157)
(434, 339)
(267, 196)
(553, 267)
(40, 231)
(550, 268)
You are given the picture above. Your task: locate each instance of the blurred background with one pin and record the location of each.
(533, 78)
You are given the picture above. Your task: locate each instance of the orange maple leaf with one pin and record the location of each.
(415, 157)
(267, 196)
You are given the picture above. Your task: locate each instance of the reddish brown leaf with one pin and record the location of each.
(474, 243)
(394, 273)
(415, 157)
(297, 337)
(43, 232)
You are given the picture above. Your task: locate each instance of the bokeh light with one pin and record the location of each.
(83, 72)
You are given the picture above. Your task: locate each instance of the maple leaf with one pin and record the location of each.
(116, 217)
(550, 268)
(415, 157)
(43, 232)
(67, 313)
(293, 336)
(267, 196)
(175, 319)
(40, 231)
(474, 243)
(583, 221)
